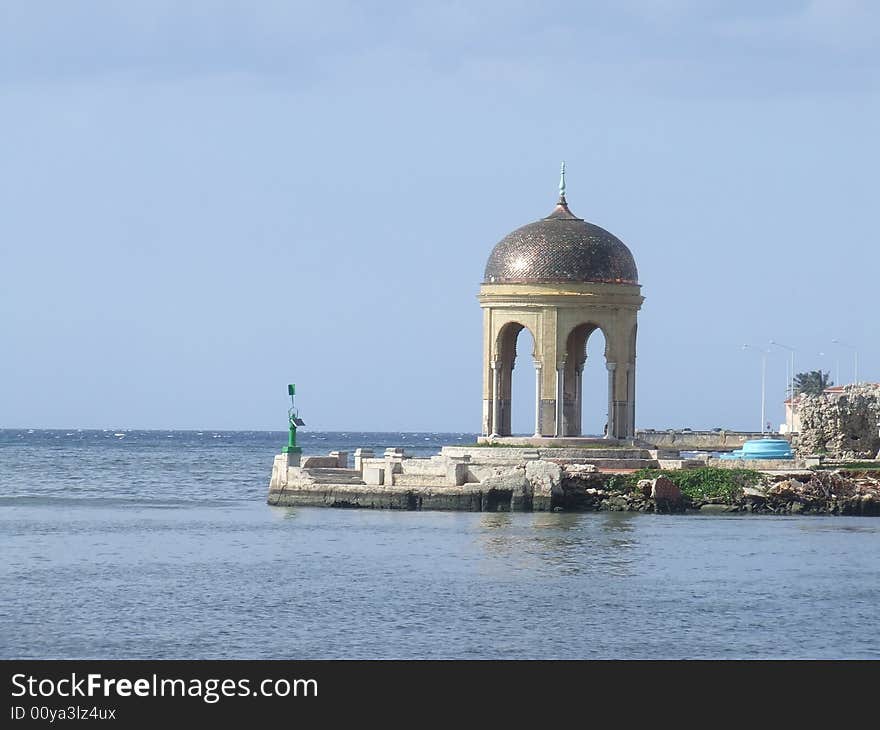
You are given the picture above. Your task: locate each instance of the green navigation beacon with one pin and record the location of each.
(295, 421)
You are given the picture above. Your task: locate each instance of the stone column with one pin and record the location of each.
(631, 400)
(538, 371)
(486, 415)
(505, 425)
(578, 401)
(496, 397)
(619, 403)
(560, 397)
(610, 426)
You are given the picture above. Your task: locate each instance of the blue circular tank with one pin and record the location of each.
(762, 449)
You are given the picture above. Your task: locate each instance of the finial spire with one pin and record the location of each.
(562, 184)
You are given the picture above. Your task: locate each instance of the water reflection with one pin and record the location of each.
(557, 520)
(812, 523)
(283, 513)
(558, 543)
(495, 520)
(620, 527)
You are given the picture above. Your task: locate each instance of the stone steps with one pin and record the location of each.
(480, 455)
(328, 475)
(420, 480)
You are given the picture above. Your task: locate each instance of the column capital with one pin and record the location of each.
(612, 366)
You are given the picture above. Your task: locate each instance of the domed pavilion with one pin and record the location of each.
(561, 278)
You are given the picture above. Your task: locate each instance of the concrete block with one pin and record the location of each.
(457, 470)
(393, 464)
(279, 472)
(359, 456)
(374, 475)
(341, 459)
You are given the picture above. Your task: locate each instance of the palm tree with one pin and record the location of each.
(812, 382)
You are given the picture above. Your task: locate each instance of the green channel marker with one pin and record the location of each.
(295, 420)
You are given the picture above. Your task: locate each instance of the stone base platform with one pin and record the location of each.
(513, 478)
(786, 466)
(470, 478)
(549, 442)
(466, 498)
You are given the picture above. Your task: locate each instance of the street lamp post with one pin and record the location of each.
(789, 416)
(836, 367)
(855, 359)
(763, 381)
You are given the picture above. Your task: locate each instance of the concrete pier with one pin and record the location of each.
(469, 478)
(500, 479)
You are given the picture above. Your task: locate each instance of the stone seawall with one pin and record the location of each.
(540, 485)
(781, 465)
(467, 498)
(695, 440)
(378, 497)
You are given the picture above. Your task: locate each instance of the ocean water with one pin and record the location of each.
(136, 544)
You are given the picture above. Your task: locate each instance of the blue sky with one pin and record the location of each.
(205, 201)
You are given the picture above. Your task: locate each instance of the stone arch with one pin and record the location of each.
(503, 363)
(579, 335)
(576, 353)
(506, 337)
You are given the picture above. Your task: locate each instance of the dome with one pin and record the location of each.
(560, 248)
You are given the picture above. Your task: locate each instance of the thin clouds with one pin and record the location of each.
(46, 41)
(306, 43)
(841, 25)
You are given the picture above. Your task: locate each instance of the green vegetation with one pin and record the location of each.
(812, 382)
(621, 482)
(705, 483)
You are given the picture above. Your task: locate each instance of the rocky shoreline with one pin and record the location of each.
(819, 492)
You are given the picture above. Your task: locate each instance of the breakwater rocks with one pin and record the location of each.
(820, 492)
